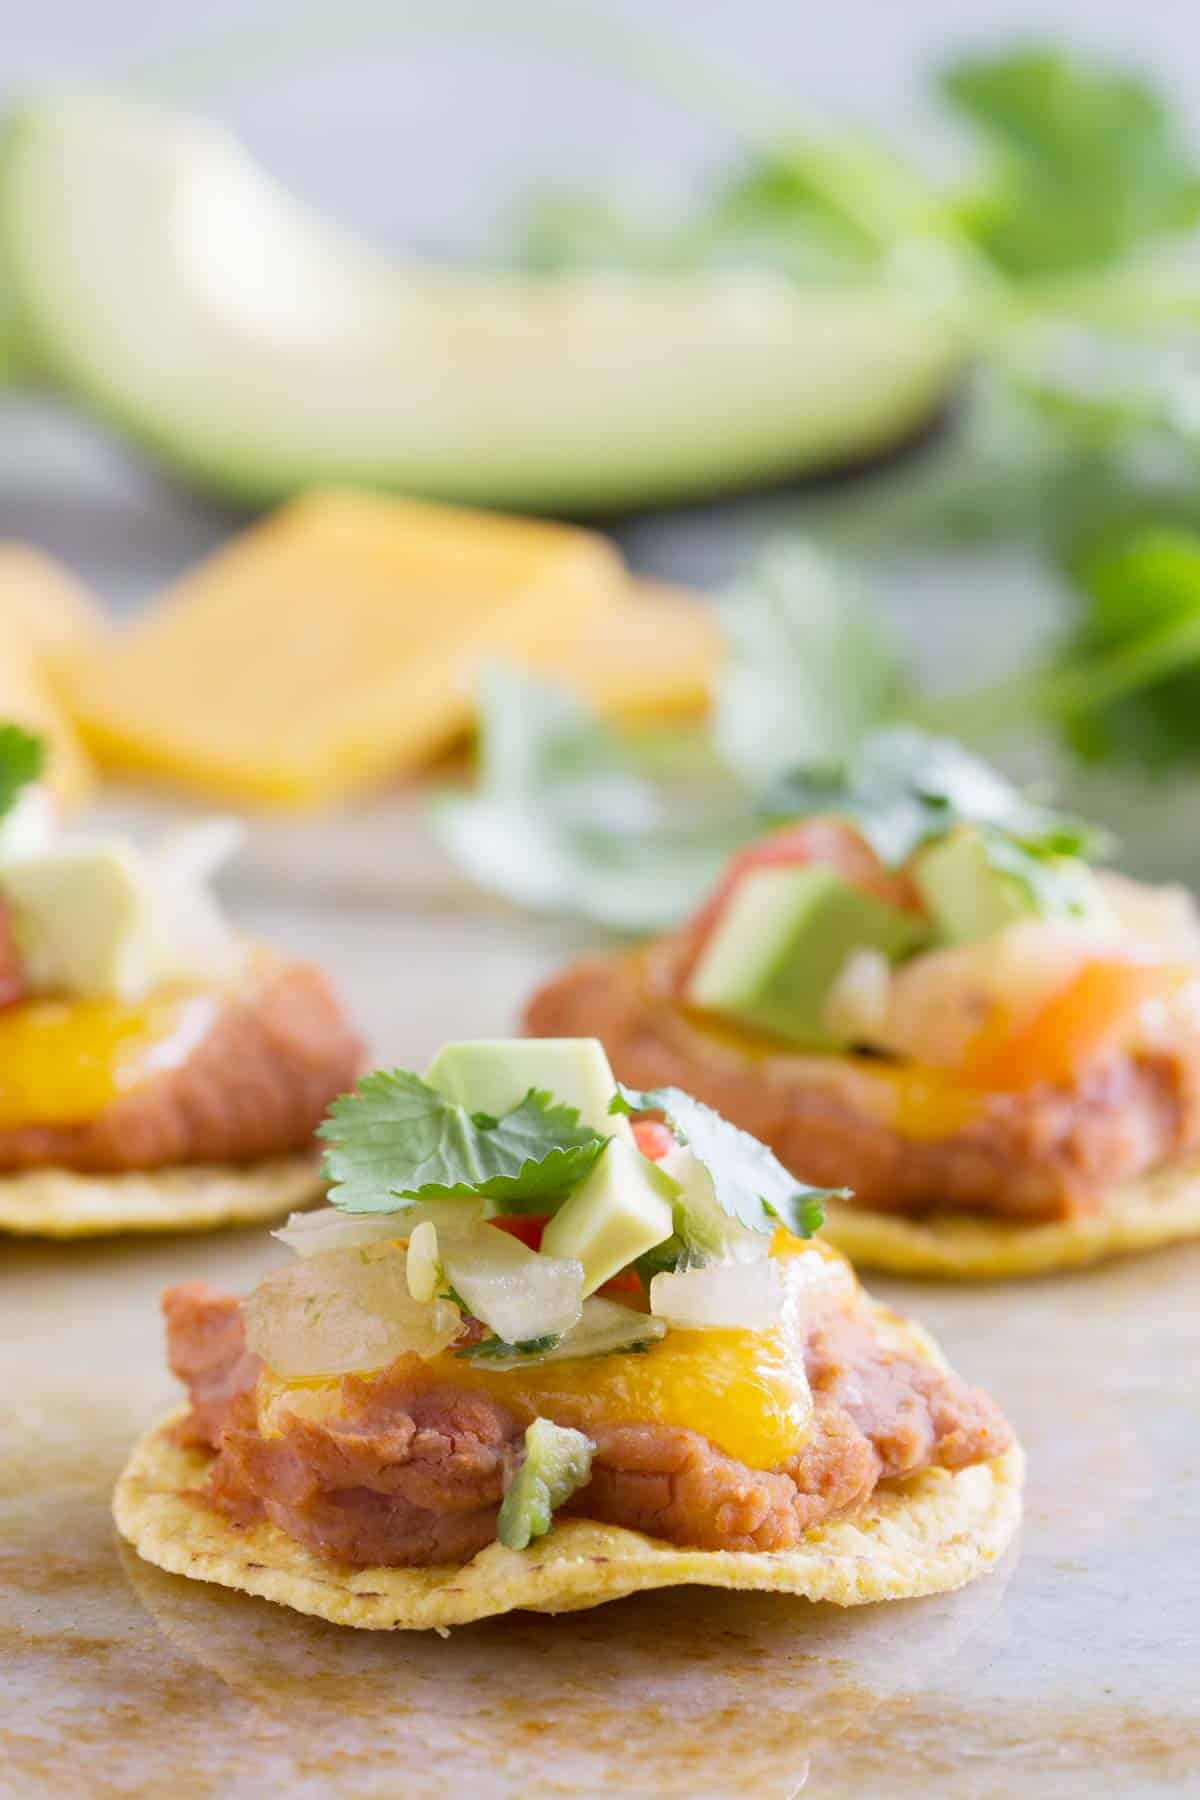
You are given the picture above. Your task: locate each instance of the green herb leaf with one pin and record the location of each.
(1089, 162)
(22, 758)
(904, 789)
(566, 817)
(1057, 885)
(395, 1140)
(751, 1185)
(558, 1462)
(492, 1348)
(1136, 651)
(810, 669)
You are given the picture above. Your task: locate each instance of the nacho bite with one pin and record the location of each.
(544, 1349)
(157, 1072)
(922, 988)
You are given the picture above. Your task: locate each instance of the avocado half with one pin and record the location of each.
(163, 278)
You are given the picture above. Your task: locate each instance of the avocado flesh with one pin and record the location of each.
(492, 1075)
(85, 921)
(164, 279)
(621, 1210)
(782, 942)
(966, 896)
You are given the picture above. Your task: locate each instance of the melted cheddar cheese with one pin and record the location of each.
(63, 1061)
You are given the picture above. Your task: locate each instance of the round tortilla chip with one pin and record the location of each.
(61, 1203)
(926, 1535)
(1147, 1214)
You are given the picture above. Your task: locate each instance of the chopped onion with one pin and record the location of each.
(342, 1311)
(329, 1228)
(421, 1266)
(857, 1003)
(604, 1328)
(721, 1296)
(701, 1221)
(516, 1292)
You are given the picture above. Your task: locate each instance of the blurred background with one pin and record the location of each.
(438, 133)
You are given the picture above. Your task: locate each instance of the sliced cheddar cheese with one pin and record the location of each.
(333, 645)
(44, 612)
(650, 658)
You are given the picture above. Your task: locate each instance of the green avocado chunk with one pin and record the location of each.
(783, 941)
(155, 272)
(622, 1209)
(557, 1463)
(492, 1075)
(966, 896)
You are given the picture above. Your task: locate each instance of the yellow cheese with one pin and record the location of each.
(43, 601)
(43, 612)
(651, 658)
(331, 646)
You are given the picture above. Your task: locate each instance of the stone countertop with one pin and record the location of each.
(1074, 1664)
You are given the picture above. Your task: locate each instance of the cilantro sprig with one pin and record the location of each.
(905, 789)
(22, 758)
(749, 1182)
(396, 1140)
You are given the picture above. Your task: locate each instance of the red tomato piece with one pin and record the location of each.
(653, 1138)
(528, 1227)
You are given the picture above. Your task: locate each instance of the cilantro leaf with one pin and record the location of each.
(1089, 162)
(566, 817)
(749, 1182)
(395, 1140)
(810, 669)
(490, 1348)
(22, 758)
(904, 789)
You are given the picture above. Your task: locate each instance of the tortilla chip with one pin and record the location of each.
(926, 1535)
(1147, 1214)
(62, 1204)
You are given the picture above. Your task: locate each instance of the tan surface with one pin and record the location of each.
(57, 1203)
(1160, 1209)
(1066, 1673)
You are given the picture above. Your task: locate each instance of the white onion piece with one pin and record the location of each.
(422, 1269)
(856, 1005)
(328, 1228)
(721, 1296)
(343, 1311)
(700, 1219)
(1161, 921)
(604, 1327)
(517, 1293)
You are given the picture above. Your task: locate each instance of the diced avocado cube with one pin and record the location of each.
(558, 1462)
(492, 1075)
(970, 898)
(622, 1209)
(85, 920)
(781, 944)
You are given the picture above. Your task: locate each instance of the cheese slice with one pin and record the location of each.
(44, 602)
(43, 611)
(650, 658)
(332, 645)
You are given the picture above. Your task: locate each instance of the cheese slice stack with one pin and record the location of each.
(44, 613)
(335, 645)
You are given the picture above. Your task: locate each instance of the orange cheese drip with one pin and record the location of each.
(63, 1061)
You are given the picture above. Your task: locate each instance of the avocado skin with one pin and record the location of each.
(782, 943)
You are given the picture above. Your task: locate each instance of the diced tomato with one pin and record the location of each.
(627, 1282)
(826, 843)
(1091, 1013)
(12, 974)
(526, 1226)
(653, 1138)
